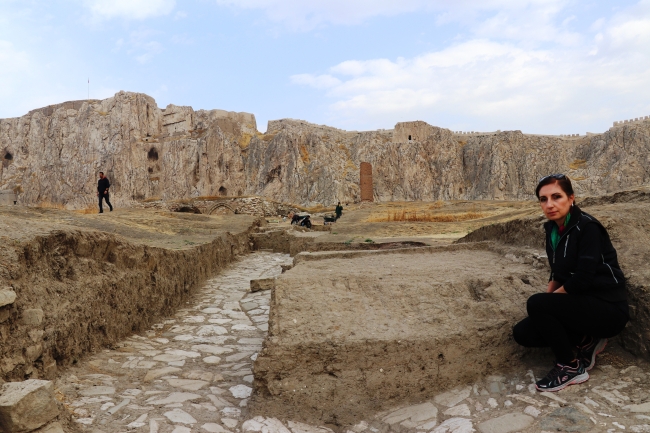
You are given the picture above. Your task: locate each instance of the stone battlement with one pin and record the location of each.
(636, 119)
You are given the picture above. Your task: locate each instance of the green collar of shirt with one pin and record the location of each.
(555, 232)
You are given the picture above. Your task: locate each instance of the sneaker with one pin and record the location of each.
(561, 376)
(587, 353)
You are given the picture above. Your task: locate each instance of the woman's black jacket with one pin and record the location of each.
(585, 261)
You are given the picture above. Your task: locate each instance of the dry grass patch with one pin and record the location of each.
(88, 210)
(412, 215)
(245, 140)
(49, 205)
(578, 164)
(315, 209)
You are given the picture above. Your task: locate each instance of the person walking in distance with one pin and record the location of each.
(339, 210)
(102, 191)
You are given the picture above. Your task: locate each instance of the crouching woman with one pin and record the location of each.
(585, 302)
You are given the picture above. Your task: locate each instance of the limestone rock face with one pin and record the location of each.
(53, 155)
(26, 406)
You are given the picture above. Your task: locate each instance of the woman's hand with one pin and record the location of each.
(552, 286)
(560, 290)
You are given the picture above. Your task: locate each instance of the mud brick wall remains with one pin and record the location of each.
(366, 182)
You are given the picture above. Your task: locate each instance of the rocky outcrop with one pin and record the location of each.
(53, 155)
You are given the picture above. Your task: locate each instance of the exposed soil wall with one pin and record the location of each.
(356, 332)
(78, 291)
(282, 241)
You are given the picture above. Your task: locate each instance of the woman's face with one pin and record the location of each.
(555, 203)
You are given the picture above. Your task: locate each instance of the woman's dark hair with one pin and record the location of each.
(560, 179)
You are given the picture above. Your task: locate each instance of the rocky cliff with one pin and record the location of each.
(53, 155)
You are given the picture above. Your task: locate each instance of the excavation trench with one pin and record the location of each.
(191, 369)
(79, 290)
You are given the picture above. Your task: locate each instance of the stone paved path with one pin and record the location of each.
(192, 373)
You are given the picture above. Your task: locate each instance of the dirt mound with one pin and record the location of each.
(527, 232)
(631, 196)
(356, 332)
(285, 241)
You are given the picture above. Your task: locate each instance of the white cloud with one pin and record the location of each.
(317, 81)
(15, 65)
(499, 84)
(304, 15)
(142, 46)
(129, 9)
(634, 32)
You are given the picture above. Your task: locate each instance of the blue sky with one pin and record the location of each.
(542, 66)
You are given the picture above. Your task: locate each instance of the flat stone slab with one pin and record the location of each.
(97, 390)
(417, 414)
(178, 415)
(26, 406)
(187, 384)
(359, 333)
(639, 408)
(506, 423)
(160, 372)
(453, 397)
(174, 397)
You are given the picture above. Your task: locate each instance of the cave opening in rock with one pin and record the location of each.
(223, 191)
(9, 156)
(409, 138)
(152, 155)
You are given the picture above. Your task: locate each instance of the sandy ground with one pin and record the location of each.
(171, 230)
(353, 226)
